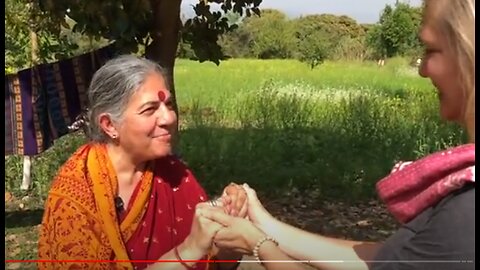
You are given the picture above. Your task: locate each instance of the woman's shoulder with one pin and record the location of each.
(460, 202)
(450, 220)
(443, 232)
(75, 166)
(71, 179)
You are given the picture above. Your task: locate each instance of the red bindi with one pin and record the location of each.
(162, 96)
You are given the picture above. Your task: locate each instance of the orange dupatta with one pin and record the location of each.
(82, 197)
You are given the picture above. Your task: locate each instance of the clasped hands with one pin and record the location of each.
(230, 224)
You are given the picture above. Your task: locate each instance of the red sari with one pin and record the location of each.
(169, 214)
(80, 221)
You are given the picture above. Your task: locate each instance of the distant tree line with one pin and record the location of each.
(272, 35)
(316, 38)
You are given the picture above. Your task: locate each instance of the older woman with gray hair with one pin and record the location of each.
(123, 201)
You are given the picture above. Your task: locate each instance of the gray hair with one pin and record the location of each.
(111, 88)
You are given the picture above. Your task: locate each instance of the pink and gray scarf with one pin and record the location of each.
(412, 187)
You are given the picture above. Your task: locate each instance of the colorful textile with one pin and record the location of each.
(414, 186)
(42, 101)
(81, 222)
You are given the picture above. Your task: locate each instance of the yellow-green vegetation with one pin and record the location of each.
(277, 124)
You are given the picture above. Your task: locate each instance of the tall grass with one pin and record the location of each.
(211, 85)
(338, 143)
(279, 125)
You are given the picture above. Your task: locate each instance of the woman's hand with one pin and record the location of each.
(256, 212)
(235, 200)
(203, 230)
(238, 234)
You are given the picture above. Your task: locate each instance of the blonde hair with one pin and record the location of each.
(455, 20)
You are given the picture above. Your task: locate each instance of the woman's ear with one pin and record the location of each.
(107, 125)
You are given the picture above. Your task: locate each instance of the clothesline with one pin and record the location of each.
(41, 102)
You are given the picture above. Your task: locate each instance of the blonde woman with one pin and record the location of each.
(434, 197)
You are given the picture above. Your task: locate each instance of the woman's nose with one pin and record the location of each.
(166, 116)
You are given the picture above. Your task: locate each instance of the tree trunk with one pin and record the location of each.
(165, 33)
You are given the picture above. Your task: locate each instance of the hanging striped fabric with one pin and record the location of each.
(43, 101)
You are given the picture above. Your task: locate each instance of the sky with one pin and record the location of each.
(363, 11)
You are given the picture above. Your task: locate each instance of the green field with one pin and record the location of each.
(277, 124)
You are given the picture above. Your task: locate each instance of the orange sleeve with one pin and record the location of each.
(69, 232)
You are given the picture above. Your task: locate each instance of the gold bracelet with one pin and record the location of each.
(181, 261)
(259, 243)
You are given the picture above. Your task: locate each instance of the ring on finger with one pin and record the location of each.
(213, 203)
